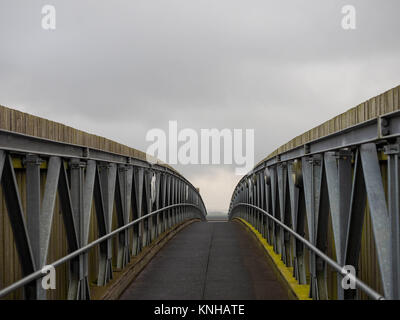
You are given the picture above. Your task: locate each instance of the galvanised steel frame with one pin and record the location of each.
(159, 199)
(337, 176)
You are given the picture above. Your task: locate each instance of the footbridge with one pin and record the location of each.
(83, 217)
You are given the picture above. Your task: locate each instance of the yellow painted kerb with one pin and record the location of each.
(300, 291)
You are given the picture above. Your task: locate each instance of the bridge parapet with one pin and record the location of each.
(335, 192)
(81, 203)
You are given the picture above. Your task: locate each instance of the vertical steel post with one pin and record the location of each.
(79, 270)
(158, 200)
(32, 163)
(107, 176)
(338, 177)
(394, 211)
(356, 220)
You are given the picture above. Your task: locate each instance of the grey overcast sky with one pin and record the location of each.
(119, 68)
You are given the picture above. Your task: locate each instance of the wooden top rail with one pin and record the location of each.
(25, 123)
(386, 102)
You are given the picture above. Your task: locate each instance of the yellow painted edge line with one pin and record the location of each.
(301, 291)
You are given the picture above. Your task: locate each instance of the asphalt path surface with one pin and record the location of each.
(208, 261)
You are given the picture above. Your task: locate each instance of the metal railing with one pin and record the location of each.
(369, 291)
(341, 192)
(98, 194)
(176, 216)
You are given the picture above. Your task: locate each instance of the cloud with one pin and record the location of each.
(216, 187)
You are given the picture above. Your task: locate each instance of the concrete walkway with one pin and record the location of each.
(208, 260)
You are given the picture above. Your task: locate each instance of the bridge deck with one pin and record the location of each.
(214, 260)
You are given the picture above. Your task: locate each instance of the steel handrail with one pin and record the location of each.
(38, 274)
(364, 287)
